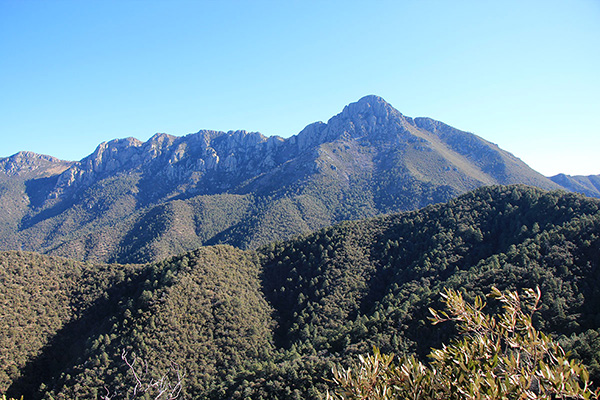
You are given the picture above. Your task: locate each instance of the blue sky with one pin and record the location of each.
(522, 74)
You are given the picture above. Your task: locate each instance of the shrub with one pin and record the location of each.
(496, 357)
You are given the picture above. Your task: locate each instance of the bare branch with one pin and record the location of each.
(168, 387)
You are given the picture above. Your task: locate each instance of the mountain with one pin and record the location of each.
(131, 201)
(270, 323)
(17, 172)
(588, 185)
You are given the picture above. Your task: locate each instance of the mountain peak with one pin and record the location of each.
(372, 99)
(242, 188)
(371, 104)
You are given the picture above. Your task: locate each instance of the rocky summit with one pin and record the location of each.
(133, 201)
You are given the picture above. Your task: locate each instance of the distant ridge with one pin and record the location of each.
(133, 201)
(588, 185)
(32, 165)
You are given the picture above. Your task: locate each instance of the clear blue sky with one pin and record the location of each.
(522, 74)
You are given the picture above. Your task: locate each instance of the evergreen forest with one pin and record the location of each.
(273, 322)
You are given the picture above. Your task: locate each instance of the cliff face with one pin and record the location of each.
(172, 194)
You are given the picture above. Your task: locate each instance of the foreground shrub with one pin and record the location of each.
(496, 357)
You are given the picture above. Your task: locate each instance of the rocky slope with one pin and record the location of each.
(134, 201)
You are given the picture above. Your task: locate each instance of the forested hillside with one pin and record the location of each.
(50, 307)
(271, 323)
(132, 201)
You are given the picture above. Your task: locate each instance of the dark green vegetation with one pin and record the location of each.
(139, 202)
(271, 323)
